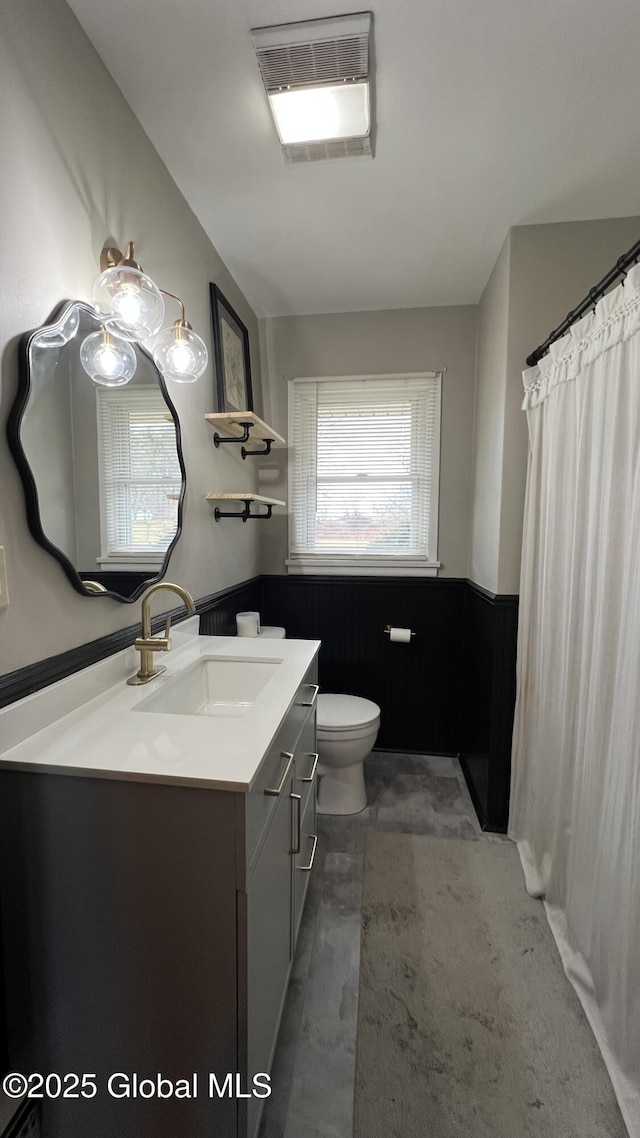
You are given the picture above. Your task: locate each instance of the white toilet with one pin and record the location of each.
(347, 731)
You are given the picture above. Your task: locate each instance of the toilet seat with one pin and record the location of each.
(341, 714)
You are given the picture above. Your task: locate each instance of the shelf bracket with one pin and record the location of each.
(218, 440)
(267, 449)
(245, 515)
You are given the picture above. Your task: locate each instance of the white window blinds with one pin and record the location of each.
(364, 473)
(139, 470)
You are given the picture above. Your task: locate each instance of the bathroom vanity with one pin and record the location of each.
(157, 844)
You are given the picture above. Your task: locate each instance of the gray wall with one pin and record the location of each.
(491, 365)
(77, 170)
(552, 269)
(542, 272)
(369, 343)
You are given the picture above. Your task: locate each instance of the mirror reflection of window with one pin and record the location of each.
(105, 481)
(140, 477)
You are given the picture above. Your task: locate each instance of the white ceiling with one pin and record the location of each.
(490, 113)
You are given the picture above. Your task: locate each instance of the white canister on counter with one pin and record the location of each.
(248, 623)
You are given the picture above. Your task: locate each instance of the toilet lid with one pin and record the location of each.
(345, 711)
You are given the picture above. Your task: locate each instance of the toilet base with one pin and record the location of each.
(341, 790)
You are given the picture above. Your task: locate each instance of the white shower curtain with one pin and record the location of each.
(575, 788)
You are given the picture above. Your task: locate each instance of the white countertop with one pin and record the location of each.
(70, 730)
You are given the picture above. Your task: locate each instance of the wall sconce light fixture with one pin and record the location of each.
(133, 310)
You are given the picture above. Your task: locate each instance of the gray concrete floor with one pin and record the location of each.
(313, 1074)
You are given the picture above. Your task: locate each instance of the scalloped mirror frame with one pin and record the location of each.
(61, 317)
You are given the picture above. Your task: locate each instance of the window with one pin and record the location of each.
(139, 470)
(363, 477)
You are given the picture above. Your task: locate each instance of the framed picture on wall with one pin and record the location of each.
(232, 360)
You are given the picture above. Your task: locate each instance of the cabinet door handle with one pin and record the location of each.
(312, 755)
(276, 791)
(295, 798)
(309, 867)
(310, 702)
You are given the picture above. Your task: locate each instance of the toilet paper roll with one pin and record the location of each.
(400, 635)
(248, 623)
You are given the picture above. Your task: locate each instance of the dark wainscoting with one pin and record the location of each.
(220, 609)
(219, 619)
(450, 691)
(489, 688)
(416, 685)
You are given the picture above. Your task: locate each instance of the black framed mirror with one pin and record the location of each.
(101, 466)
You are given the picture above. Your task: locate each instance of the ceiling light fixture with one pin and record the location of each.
(317, 76)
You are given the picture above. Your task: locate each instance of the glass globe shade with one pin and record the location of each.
(111, 363)
(129, 302)
(61, 333)
(180, 354)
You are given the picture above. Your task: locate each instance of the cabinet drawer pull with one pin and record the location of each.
(276, 791)
(309, 867)
(310, 702)
(312, 755)
(295, 798)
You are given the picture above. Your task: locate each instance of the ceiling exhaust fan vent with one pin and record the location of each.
(336, 148)
(323, 61)
(314, 54)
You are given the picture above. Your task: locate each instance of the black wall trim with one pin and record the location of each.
(25, 681)
(496, 599)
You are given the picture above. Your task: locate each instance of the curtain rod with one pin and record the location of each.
(594, 295)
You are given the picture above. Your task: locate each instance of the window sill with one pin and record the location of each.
(360, 566)
(131, 562)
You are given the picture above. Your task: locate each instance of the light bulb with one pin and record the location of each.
(111, 363)
(180, 354)
(129, 303)
(180, 358)
(128, 306)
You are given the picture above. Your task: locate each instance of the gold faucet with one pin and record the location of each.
(148, 644)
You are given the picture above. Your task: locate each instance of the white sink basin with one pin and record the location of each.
(214, 685)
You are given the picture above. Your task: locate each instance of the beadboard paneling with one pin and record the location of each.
(488, 687)
(416, 685)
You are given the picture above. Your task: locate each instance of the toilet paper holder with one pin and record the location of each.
(388, 630)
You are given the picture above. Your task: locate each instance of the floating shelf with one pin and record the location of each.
(247, 498)
(242, 427)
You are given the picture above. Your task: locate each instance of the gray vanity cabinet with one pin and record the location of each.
(149, 928)
(305, 849)
(277, 884)
(268, 944)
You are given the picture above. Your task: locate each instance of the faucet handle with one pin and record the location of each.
(167, 629)
(153, 644)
